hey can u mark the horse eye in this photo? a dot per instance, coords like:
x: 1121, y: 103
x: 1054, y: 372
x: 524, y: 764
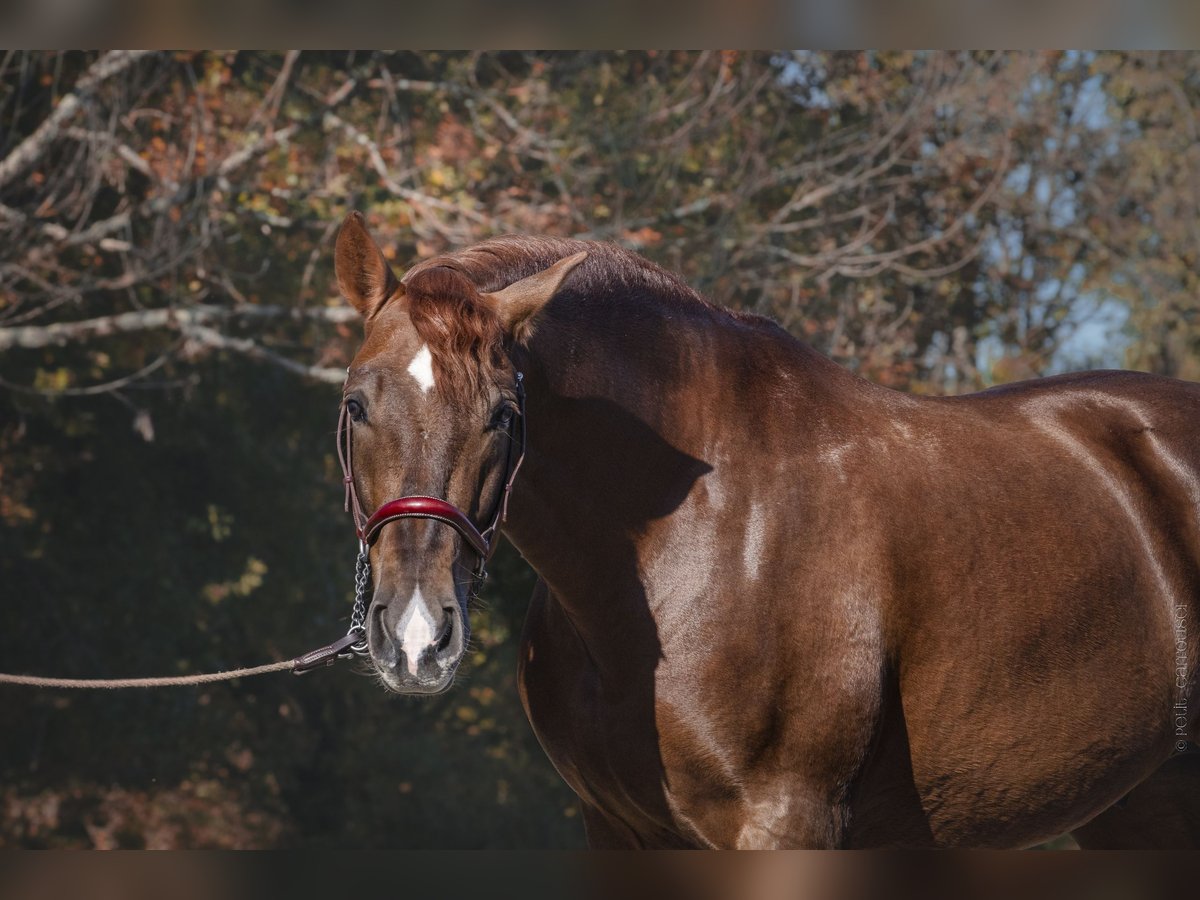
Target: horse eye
x: 355, y: 410
x: 503, y: 416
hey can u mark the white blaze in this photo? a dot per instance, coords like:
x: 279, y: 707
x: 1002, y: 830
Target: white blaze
x: 415, y: 630
x: 421, y: 368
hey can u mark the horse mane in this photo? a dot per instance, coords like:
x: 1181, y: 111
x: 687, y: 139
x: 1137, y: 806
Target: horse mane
x: 464, y: 335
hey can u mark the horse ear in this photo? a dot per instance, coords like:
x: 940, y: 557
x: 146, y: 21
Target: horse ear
x: 521, y: 301
x: 363, y: 275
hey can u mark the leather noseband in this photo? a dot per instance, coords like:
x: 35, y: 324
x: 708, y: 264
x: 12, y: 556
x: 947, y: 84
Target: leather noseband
x: 417, y: 507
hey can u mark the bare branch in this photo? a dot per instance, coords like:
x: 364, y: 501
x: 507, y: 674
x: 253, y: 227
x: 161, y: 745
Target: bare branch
x: 416, y: 198
x: 33, y: 336
x: 29, y: 149
x: 127, y: 153
x: 255, y: 148
x: 212, y: 338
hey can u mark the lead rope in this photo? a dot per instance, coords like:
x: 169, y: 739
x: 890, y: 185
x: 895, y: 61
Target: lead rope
x: 315, y: 659
x: 165, y: 681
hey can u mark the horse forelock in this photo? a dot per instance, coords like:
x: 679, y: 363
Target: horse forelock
x: 462, y: 333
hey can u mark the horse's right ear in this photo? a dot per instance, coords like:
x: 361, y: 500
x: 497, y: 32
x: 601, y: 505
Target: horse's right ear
x: 363, y: 275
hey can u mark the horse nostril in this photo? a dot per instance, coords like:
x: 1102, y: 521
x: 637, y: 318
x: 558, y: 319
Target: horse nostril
x: 447, y: 633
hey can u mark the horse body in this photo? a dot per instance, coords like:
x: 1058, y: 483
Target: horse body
x: 784, y: 607
x: 779, y: 605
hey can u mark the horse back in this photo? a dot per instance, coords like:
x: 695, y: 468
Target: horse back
x: 1043, y: 546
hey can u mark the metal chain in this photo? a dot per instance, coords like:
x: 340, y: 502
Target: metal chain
x: 358, y: 615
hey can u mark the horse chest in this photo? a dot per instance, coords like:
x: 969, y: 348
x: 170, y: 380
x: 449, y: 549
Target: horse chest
x: 605, y: 745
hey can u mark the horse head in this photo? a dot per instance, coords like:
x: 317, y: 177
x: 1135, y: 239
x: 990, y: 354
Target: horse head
x: 432, y: 409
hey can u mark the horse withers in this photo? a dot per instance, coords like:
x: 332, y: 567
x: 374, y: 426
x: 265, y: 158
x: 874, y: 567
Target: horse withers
x: 778, y: 605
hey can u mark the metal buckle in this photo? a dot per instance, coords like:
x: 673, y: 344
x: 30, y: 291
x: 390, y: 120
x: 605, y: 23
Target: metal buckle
x: 327, y: 655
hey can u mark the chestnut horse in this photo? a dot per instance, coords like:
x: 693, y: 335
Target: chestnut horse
x: 779, y: 605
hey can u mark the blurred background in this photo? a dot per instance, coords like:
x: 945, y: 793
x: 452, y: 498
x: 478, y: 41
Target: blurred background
x: 172, y: 346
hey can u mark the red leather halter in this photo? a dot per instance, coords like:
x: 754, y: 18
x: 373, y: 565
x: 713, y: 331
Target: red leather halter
x: 483, y: 543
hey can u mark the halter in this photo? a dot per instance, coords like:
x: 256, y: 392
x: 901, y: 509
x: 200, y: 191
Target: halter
x: 415, y: 506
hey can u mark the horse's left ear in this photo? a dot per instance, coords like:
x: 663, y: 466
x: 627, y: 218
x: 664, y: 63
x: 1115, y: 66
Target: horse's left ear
x: 518, y: 304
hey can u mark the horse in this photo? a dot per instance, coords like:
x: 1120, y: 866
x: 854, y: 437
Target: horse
x: 779, y: 605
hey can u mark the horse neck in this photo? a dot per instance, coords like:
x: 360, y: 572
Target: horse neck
x: 626, y: 414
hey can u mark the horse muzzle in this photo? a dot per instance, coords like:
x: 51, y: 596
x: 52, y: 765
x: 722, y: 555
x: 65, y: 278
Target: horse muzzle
x: 417, y: 645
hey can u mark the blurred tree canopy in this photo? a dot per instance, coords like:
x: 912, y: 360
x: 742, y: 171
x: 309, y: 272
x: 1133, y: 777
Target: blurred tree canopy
x: 171, y: 344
